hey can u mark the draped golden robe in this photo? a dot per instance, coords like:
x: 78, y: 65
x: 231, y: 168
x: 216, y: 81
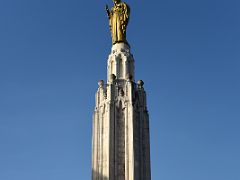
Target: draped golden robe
x: 118, y: 20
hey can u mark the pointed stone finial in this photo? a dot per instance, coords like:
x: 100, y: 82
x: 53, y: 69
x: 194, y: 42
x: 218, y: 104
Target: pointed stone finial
x: 101, y: 83
x: 140, y: 84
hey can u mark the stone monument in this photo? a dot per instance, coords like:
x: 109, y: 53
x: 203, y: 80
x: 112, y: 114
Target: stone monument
x: 120, y: 134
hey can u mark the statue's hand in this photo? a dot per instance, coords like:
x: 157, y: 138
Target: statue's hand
x: 106, y: 7
x: 108, y: 12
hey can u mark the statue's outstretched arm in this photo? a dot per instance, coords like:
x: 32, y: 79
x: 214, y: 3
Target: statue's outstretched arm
x: 107, y: 10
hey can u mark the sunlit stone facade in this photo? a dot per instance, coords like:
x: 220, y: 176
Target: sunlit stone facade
x: 120, y: 141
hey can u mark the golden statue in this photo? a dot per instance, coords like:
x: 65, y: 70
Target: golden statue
x: 118, y: 20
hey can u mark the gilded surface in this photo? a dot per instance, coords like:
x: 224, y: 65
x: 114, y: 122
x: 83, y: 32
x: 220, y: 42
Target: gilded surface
x: 118, y: 21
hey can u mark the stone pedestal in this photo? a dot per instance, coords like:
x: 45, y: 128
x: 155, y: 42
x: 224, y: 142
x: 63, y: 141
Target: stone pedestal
x: 120, y: 144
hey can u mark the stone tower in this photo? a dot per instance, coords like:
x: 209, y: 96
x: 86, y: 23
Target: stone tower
x: 120, y: 144
x: 120, y: 140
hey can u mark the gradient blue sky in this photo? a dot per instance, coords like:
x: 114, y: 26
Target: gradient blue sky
x: 53, y: 52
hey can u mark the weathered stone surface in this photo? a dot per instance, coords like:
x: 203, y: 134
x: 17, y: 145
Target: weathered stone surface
x: 120, y: 143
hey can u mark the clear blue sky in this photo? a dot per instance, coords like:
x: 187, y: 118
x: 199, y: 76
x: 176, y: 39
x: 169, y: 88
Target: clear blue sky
x: 53, y: 52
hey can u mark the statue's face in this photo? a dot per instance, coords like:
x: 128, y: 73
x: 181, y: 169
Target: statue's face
x: 116, y: 1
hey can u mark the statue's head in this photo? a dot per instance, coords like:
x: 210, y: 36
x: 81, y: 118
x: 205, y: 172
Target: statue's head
x: 116, y: 1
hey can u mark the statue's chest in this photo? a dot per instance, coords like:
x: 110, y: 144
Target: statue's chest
x: 118, y: 10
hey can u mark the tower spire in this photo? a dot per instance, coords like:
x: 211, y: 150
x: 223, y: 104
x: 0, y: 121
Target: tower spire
x: 120, y: 142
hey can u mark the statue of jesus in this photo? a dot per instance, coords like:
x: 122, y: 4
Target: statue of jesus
x: 118, y: 21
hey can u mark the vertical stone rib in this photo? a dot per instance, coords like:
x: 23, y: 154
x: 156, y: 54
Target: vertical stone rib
x: 147, y: 167
x: 126, y: 144
x: 141, y: 160
x: 130, y: 143
x: 97, y: 146
x: 101, y: 145
x: 111, y: 142
x: 93, y: 147
x: 120, y: 151
x: 105, y: 142
x: 115, y: 144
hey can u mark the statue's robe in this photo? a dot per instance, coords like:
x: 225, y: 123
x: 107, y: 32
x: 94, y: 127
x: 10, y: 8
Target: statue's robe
x: 119, y: 17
